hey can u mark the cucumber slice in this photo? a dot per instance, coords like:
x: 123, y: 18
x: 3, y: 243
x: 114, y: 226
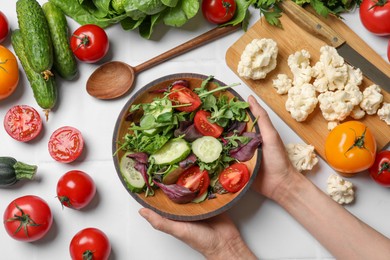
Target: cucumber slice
x: 201, y: 198
x: 207, y: 149
x: 174, y: 151
x: 172, y: 176
x: 133, y: 178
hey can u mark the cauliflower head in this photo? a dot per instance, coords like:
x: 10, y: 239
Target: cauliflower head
x: 340, y: 190
x: 301, y: 101
x: 372, y: 98
x: 299, y: 63
x: 302, y: 156
x: 384, y: 112
x: 330, y: 71
x: 258, y: 59
x: 282, y: 83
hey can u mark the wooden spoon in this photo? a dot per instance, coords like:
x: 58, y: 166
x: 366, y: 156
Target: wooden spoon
x: 113, y: 79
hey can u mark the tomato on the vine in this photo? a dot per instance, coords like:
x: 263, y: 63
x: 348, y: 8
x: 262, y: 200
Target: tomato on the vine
x: 4, y: 27
x: 9, y: 72
x: 194, y: 179
x: 234, y: 177
x: 89, y: 43
x: 75, y: 189
x: 22, y: 123
x: 375, y: 16
x: 350, y: 148
x: 66, y: 144
x: 380, y: 170
x: 204, y: 126
x: 182, y: 95
x: 90, y: 243
x: 218, y: 11
x: 27, y: 218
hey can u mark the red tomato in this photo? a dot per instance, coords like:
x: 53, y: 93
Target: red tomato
x: 90, y: 243
x: 375, y: 16
x: 89, y: 43
x: 204, y: 126
x: 27, y: 218
x: 380, y: 170
x: 388, y: 50
x: 75, y: 189
x: 234, y: 177
x: 194, y: 179
x: 181, y: 95
x: 218, y: 11
x: 4, y: 27
x: 23, y: 123
x: 66, y: 144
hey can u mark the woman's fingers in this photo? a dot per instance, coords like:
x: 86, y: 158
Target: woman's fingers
x: 158, y: 222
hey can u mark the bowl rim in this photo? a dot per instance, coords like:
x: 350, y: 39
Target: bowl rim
x: 136, y: 196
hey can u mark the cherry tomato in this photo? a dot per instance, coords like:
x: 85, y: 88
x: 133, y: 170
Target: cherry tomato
x: 194, y: 179
x: 204, y: 126
x: 27, y: 218
x: 89, y: 43
x: 218, y: 11
x: 9, y: 72
x: 90, y: 243
x: 181, y: 95
x: 75, y: 189
x: 4, y: 27
x: 66, y: 144
x: 234, y: 177
x: 380, y: 170
x: 388, y: 51
x: 350, y: 148
x: 23, y: 123
x: 375, y: 16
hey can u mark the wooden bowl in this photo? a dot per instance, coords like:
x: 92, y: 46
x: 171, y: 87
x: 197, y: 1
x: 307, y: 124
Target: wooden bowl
x: 160, y: 203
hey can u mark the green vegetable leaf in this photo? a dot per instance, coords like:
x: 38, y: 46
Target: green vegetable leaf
x: 170, y: 3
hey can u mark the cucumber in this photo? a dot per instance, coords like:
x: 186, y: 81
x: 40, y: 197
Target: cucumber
x: 207, y: 149
x: 12, y: 170
x: 133, y: 178
x: 45, y: 91
x: 172, y: 176
x: 65, y: 63
x: 174, y: 151
x: 36, y: 36
x: 201, y: 198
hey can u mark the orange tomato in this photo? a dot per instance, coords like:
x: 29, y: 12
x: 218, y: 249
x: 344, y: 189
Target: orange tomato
x: 350, y: 148
x: 9, y: 73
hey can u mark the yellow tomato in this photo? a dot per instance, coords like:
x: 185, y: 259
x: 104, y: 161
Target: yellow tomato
x: 9, y: 73
x: 350, y: 148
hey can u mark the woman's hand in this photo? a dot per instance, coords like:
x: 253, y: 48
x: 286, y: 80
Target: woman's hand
x: 215, y: 238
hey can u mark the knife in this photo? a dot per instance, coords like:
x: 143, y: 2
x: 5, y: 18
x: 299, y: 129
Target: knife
x: 314, y: 25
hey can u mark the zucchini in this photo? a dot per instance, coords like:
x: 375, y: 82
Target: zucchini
x: 64, y: 60
x: 45, y: 91
x: 36, y: 36
x: 174, y: 151
x: 12, y: 170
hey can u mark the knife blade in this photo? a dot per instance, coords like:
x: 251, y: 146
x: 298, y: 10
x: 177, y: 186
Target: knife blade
x: 314, y: 25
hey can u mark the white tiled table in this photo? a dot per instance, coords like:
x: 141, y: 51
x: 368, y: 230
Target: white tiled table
x: 270, y: 232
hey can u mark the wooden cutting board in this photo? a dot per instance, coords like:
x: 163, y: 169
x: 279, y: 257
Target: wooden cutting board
x: 291, y: 39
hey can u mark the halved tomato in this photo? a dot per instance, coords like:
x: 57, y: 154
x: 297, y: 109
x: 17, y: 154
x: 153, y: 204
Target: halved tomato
x: 234, y: 177
x: 181, y: 95
x: 204, y: 126
x: 66, y: 144
x: 194, y: 179
x: 22, y: 123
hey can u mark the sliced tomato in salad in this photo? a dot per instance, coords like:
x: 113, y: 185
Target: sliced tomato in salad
x: 66, y: 144
x: 181, y: 95
x: 204, y: 126
x: 234, y: 177
x: 195, y: 179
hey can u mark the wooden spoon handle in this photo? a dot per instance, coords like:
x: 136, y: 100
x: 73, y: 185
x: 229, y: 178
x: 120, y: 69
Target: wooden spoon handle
x: 311, y: 23
x: 204, y: 38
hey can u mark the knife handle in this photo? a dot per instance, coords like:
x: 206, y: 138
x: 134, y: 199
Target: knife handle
x: 311, y: 23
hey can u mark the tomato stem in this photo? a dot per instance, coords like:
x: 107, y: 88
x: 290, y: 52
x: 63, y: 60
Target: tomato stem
x: 378, y: 3
x: 88, y: 255
x: 359, y: 141
x: 384, y: 167
x: 24, y: 220
x: 84, y: 40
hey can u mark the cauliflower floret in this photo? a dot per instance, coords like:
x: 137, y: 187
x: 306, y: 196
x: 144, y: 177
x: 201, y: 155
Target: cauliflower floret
x: 330, y: 71
x: 302, y: 156
x: 336, y: 106
x: 340, y: 190
x: 301, y: 101
x: 332, y: 124
x: 299, y: 64
x: 355, y: 76
x: 282, y: 84
x: 357, y: 113
x: 372, y: 98
x: 384, y: 112
x: 258, y: 59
